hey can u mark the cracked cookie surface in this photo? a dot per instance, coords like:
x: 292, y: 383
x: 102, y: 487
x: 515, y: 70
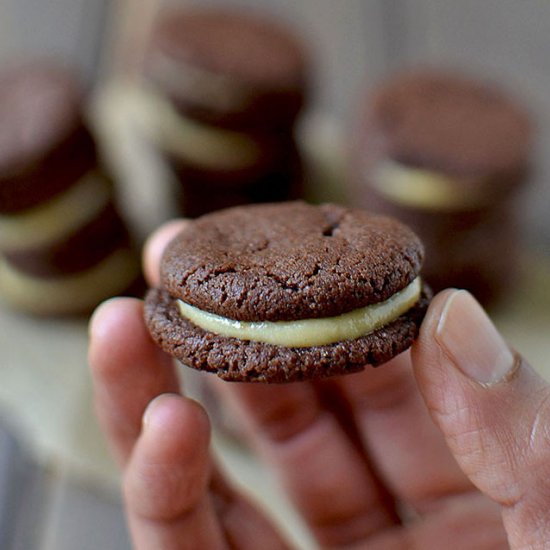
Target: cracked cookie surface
x: 290, y: 261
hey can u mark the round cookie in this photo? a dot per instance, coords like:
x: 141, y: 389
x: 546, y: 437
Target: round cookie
x: 63, y: 245
x: 450, y: 124
x: 228, y: 68
x: 289, y: 265
x: 446, y: 154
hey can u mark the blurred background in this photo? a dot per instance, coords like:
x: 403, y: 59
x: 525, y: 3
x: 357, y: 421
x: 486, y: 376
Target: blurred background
x: 58, y: 460
x: 354, y: 43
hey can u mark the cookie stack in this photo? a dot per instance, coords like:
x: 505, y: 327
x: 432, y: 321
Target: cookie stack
x: 63, y: 245
x: 448, y: 155
x: 224, y: 90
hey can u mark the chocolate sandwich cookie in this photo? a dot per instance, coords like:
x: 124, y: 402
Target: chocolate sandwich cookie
x: 289, y: 291
x: 44, y: 144
x: 228, y: 68
x: 63, y: 245
x: 447, y: 154
x: 221, y: 93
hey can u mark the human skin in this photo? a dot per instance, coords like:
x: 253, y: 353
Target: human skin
x: 454, y: 430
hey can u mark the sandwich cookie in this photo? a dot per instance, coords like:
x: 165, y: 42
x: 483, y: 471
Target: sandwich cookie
x: 228, y: 68
x: 287, y: 292
x: 447, y: 154
x: 63, y: 244
x: 220, y: 94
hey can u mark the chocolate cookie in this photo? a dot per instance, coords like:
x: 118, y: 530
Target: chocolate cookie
x: 286, y: 292
x: 451, y: 124
x: 63, y: 245
x: 446, y: 154
x: 228, y: 68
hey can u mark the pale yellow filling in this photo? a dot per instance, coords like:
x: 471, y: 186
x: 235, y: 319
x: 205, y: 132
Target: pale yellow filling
x: 197, y: 144
x: 69, y: 293
x: 424, y: 189
x: 309, y: 332
x: 56, y: 218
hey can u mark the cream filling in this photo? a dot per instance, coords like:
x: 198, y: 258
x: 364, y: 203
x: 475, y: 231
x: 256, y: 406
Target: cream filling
x: 424, y: 189
x: 309, y: 332
x: 198, y: 144
x: 203, y: 87
x: 69, y: 293
x: 56, y: 218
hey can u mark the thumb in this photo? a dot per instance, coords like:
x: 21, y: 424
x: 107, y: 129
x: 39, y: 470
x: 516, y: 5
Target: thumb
x: 493, y: 409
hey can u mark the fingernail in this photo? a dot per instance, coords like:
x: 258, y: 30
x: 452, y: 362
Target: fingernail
x: 471, y: 340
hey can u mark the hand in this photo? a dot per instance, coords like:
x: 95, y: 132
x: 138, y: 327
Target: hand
x: 454, y: 433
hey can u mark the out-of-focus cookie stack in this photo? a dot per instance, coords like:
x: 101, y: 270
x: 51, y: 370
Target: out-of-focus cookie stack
x: 448, y: 155
x: 223, y: 92
x: 63, y: 245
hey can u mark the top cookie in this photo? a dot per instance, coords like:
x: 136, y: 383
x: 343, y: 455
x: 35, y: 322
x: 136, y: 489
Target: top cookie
x: 448, y: 123
x: 290, y: 261
x: 228, y: 67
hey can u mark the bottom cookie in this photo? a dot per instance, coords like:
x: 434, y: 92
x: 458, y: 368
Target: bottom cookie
x: 248, y: 361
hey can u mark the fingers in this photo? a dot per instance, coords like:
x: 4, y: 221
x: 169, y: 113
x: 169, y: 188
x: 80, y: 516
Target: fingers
x: 405, y: 446
x: 493, y: 409
x: 322, y: 470
x: 166, y: 481
x: 154, y: 247
x: 174, y: 499
x: 166, y: 458
x: 128, y: 371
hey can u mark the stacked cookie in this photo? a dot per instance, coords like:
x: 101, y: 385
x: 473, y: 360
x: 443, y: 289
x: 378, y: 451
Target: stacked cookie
x: 448, y: 155
x: 224, y: 90
x: 63, y: 245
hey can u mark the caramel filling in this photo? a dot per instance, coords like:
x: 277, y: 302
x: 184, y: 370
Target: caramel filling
x: 422, y: 188
x: 309, y: 332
